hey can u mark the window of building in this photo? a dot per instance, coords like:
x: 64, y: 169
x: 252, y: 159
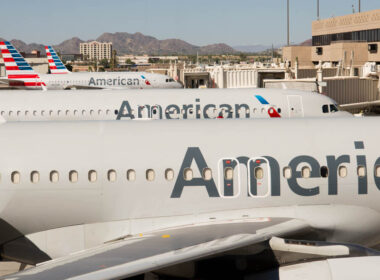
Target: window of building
x: 188, y: 174
x: 319, y: 50
x: 169, y: 174
x: 73, y: 176
x: 324, y: 171
x: 92, y: 176
x: 207, y: 174
x: 305, y: 172
x: 150, y: 175
x: 287, y: 172
x: 372, y: 48
x: 54, y: 176
x: 342, y: 171
x: 15, y: 177
x: 361, y: 171
x: 34, y: 176
x: 131, y: 175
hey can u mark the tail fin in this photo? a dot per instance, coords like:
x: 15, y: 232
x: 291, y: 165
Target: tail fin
x: 19, y: 73
x: 55, y: 64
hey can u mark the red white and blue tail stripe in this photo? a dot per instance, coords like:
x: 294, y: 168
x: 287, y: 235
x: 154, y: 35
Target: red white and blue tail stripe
x: 55, y: 64
x: 19, y: 73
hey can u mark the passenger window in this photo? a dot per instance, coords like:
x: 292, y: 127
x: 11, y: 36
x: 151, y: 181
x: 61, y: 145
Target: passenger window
x: 92, y: 176
x: 287, y: 172
x: 54, y: 176
x: 262, y: 110
x: 50, y: 113
x: 228, y: 173
x: 207, y: 174
x: 169, y: 174
x: 26, y: 113
x: 15, y: 177
x: 34, y: 113
x: 342, y: 171
x: 83, y: 112
x: 305, y: 172
x: 75, y: 112
x: 73, y: 176
x: 150, y: 175
x: 91, y: 112
x: 18, y: 113
x: 324, y: 171
x: 108, y: 112
x: 279, y: 110
x: 377, y: 171
x: 188, y: 174
x: 59, y: 112
x: 131, y: 175
x: 361, y: 171
x: 325, y: 109
x: 111, y: 175
x: 34, y: 177
x: 99, y: 112
x: 43, y: 113
x: 10, y: 113
x: 259, y: 173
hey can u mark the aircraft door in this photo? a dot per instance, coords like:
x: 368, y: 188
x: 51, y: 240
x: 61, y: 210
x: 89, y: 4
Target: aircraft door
x: 259, y: 177
x: 229, y: 177
x: 295, y: 106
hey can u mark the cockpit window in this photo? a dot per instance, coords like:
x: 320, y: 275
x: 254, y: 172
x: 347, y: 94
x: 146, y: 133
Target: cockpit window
x: 333, y: 108
x: 325, y: 108
x: 170, y: 80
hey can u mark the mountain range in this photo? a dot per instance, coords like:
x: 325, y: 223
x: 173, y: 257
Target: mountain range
x: 137, y: 43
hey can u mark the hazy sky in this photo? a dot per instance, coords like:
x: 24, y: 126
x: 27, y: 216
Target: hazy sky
x: 200, y: 22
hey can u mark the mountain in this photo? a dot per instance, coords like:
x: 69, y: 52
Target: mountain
x: 254, y: 48
x: 137, y: 43
x: 69, y: 46
x: 308, y: 42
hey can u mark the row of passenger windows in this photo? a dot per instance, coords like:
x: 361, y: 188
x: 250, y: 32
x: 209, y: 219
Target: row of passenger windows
x: 58, y: 112
x: 150, y: 175
x: 109, y: 112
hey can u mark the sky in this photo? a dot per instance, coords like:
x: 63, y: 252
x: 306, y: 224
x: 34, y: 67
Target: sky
x: 199, y: 22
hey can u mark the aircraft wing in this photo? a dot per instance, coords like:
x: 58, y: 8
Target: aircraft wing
x: 135, y: 255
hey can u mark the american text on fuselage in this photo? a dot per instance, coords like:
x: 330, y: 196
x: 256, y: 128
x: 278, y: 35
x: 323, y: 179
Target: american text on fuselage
x: 263, y: 174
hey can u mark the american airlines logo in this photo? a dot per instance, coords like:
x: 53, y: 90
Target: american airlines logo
x: 197, y: 111
x: 335, y: 167
x: 114, y: 82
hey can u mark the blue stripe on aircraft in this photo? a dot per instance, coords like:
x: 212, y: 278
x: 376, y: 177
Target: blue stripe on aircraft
x: 261, y: 99
x: 7, y: 43
x: 13, y: 51
x: 61, y: 67
x: 22, y: 64
x: 18, y: 59
x: 14, y: 55
x: 25, y: 68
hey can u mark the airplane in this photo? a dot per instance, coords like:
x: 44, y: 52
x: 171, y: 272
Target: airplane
x: 21, y: 75
x: 204, y: 199
x: 164, y: 104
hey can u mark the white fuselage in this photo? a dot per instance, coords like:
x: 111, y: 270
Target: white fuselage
x: 148, y: 175
x: 108, y: 80
x: 163, y: 104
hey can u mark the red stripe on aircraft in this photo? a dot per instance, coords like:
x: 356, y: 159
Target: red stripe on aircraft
x: 11, y: 68
x: 8, y: 59
x: 4, y: 51
x: 23, y: 76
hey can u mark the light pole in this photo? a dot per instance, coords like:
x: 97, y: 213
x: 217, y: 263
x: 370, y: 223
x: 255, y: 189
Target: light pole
x: 359, y: 7
x: 288, y: 41
x: 317, y: 9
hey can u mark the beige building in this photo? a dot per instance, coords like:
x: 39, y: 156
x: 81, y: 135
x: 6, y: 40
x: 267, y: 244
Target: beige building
x: 96, y: 50
x: 349, y: 40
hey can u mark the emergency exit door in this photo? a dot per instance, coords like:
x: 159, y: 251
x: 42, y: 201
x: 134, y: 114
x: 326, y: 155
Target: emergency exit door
x: 295, y: 106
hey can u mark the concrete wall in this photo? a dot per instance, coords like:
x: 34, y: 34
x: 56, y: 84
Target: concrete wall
x: 353, y: 22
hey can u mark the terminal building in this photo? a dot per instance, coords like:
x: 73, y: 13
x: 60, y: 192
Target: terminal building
x: 350, y: 40
x: 96, y: 50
